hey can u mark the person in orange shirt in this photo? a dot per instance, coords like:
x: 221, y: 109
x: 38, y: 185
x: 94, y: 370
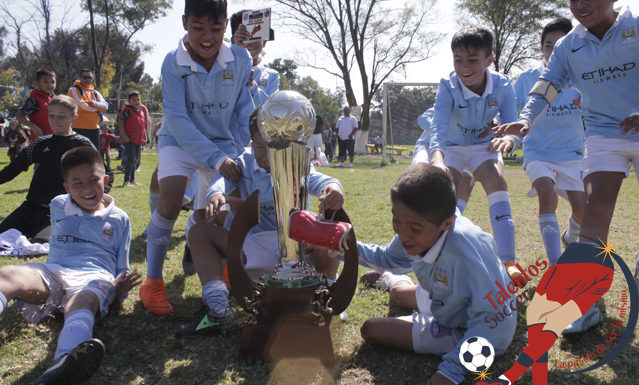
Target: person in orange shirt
x: 90, y: 105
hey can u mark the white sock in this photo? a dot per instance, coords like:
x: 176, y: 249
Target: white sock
x: 216, y: 295
x: 572, y: 236
x: 3, y: 303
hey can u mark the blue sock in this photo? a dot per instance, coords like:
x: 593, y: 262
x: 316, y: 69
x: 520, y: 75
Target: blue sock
x: 157, y: 243
x: 3, y: 303
x: 503, y: 225
x: 572, y: 236
x: 78, y: 327
x: 550, y: 234
x: 461, y: 205
x: 216, y: 296
x: 154, y: 197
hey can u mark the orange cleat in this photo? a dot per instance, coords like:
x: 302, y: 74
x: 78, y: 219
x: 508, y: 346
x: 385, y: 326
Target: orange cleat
x: 512, y: 270
x: 153, y: 296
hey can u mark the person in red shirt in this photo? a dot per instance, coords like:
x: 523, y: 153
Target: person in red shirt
x: 133, y: 123
x: 105, y: 146
x: 34, y: 111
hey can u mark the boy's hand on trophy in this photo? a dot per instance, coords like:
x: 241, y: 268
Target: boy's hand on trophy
x: 332, y: 197
x: 215, y: 203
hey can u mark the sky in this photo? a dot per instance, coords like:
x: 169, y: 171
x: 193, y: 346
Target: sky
x: 164, y: 34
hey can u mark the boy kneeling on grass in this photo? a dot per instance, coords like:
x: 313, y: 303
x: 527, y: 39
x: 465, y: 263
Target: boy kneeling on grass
x: 456, y: 264
x: 87, y: 266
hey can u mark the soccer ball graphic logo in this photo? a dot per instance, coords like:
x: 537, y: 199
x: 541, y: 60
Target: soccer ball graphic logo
x: 476, y: 354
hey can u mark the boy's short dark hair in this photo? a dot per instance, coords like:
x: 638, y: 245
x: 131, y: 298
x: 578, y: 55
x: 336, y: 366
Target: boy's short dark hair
x: 83, y: 70
x: 427, y: 190
x: 79, y: 156
x: 212, y: 8
x: 44, y: 72
x: 475, y: 36
x: 560, y: 24
x: 254, y: 128
x: 65, y: 101
x: 236, y: 20
x: 133, y: 93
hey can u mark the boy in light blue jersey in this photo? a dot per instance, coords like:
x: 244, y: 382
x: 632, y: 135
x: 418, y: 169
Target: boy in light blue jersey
x: 466, y: 104
x: 453, y: 260
x: 554, y: 151
x: 208, y: 241
x: 600, y: 57
x: 87, y: 266
x: 205, y: 125
x: 266, y: 80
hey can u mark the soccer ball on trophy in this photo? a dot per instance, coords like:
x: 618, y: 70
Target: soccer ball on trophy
x: 476, y: 354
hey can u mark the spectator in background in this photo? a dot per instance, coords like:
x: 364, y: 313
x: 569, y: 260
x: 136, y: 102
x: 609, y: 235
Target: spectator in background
x: 379, y: 141
x: 16, y: 139
x: 90, y: 106
x: 346, y: 128
x: 34, y: 112
x: 315, y: 141
x: 133, y: 123
x: 327, y: 137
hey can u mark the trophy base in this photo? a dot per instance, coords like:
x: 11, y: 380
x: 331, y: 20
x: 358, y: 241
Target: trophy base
x: 292, y: 275
x: 292, y: 337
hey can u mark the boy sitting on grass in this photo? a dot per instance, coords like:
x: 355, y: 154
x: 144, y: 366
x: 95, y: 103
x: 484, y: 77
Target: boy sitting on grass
x: 208, y: 241
x: 88, y: 264
x: 454, y: 261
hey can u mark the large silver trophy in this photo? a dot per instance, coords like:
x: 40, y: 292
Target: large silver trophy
x: 286, y: 121
x: 290, y: 310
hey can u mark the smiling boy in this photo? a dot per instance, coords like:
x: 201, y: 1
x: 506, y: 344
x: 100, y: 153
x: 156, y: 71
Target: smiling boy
x: 466, y: 104
x: 205, y: 126
x: 86, y: 268
x: 33, y: 112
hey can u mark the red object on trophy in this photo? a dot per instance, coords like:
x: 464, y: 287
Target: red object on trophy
x: 306, y: 228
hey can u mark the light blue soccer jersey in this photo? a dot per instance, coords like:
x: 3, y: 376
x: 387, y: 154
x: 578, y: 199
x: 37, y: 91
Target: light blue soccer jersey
x: 421, y: 146
x: 606, y: 72
x: 559, y: 135
x: 256, y: 178
x: 206, y: 113
x: 459, y: 278
x: 267, y: 79
x: 97, y: 241
x: 461, y: 115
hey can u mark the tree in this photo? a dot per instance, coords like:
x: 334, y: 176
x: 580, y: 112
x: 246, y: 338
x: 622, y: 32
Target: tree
x: 286, y: 68
x: 376, y: 37
x: 323, y: 103
x: 516, y: 27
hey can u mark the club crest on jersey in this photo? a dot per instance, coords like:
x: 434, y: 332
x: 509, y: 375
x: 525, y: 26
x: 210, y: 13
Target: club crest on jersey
x: 262, y: 83
x: 107, y: 232
x: 227, y: 77
x: 492, y: 102
x: 440, y: 278
x: 629, y: 35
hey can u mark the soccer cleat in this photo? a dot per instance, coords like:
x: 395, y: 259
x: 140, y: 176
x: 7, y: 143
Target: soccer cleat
x: 153, y: 296
x: 208, y: 323
x: 512, y: 270
x: 564, y: 240
x: 585, y: 322
x: 384, y: 281
x: 305, y: 227
x: 75, y: 367
x: 350, y: 165
x: 340, y: 164
x: 187, y: 261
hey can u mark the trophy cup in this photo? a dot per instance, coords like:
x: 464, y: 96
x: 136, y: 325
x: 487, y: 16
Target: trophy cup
x: 290, y: 311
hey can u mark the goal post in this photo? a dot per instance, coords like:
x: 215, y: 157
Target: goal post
x: 402, y: 104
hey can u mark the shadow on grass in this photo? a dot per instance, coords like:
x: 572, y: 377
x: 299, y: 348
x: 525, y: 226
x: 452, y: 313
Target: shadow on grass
x: 137, y: 252
x: 20, y: 191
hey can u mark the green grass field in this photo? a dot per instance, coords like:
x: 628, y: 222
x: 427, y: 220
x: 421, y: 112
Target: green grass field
x: 141, y: 348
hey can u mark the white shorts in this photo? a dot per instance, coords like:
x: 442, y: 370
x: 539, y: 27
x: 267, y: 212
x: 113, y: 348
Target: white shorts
x: 471, y: 157
x: 566, y: 175
x: 315, y: 141
x: 174, y: 161
x: 423, y: 300
x: 429, y: 337
x: 262, y: 252
x: 64, y: 283
x: 610, y: 154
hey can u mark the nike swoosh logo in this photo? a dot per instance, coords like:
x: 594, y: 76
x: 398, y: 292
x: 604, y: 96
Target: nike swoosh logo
x: 577, y: 49
x: 501, y: 216
x: 460, y: 106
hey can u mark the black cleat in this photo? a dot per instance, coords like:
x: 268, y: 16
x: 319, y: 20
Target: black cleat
x: 75, y: 367
x: 187, y: 261
x: 208, y: 323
